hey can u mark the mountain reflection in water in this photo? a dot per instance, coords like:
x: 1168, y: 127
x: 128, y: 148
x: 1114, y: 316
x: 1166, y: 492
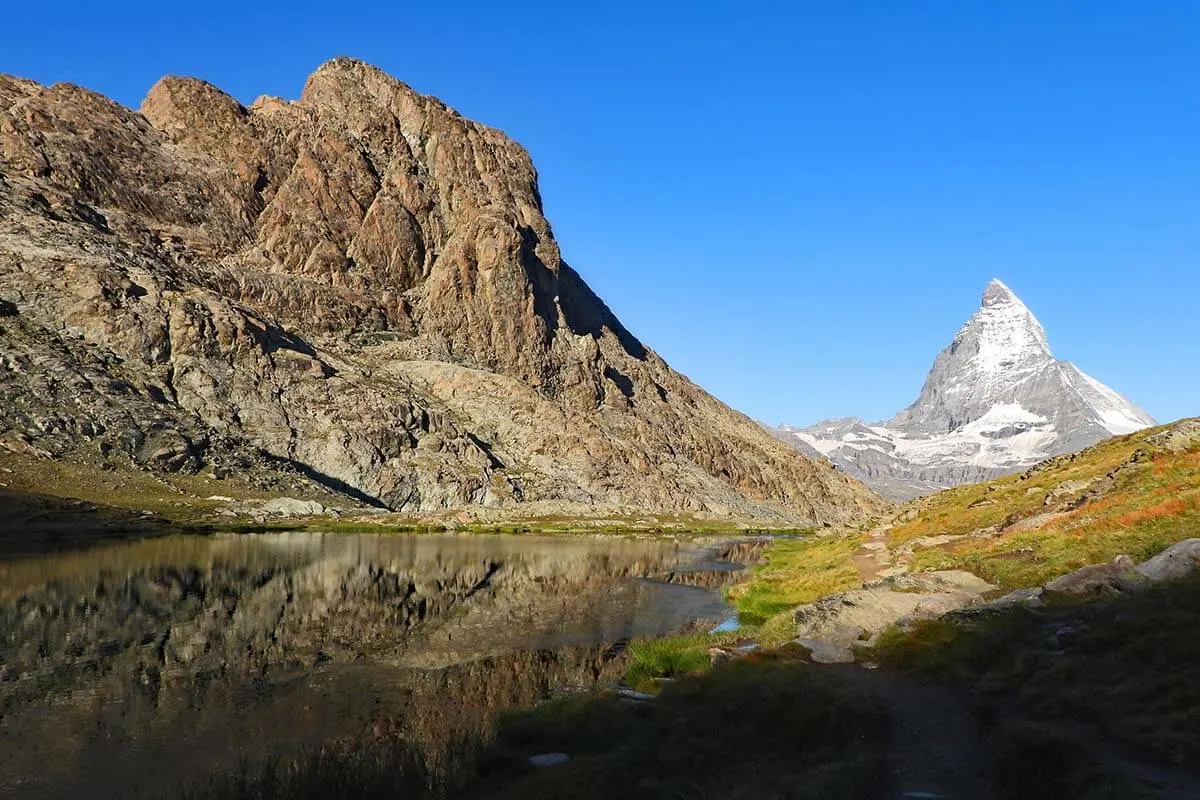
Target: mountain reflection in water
x: 141, y: 666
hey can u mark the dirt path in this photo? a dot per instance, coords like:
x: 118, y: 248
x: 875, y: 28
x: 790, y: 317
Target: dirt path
x: 874, y: 560
x: 935, y: 750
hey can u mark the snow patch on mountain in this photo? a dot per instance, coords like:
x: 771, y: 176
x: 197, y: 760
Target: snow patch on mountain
x: 1118, y: 414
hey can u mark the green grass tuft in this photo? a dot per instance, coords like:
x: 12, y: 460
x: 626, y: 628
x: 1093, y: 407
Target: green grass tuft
x: 796, y: 571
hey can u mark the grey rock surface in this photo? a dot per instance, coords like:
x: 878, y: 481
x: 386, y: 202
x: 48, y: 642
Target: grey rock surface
x: 291, y: 507
x: 858, y: 615
x: 1179, y: 438
x: 822, y: 652
x: 1175, y: 563
x: 1099, y: 580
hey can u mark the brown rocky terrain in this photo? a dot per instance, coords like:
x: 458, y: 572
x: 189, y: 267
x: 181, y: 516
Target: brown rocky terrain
x: 359, y: 287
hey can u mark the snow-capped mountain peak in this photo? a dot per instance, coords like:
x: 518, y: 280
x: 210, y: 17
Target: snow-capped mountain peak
x: 995, y: 401
x: 1000, y: 347
x: 1005, y: 330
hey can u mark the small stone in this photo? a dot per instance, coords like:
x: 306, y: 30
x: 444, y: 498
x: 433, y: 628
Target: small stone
x: 718, y: 656
x: 826, y: 652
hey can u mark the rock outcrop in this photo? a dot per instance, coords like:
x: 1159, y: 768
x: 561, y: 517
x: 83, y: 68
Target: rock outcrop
x: 832, y: 626
x: 360, y: 285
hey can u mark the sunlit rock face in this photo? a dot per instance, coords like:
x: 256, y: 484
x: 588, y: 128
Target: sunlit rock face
x: 995, y: 402
x: 151, y: 663
x: 359, y: 284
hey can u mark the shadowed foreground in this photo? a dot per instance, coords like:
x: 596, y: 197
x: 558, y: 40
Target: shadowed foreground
x: 1093, y: 700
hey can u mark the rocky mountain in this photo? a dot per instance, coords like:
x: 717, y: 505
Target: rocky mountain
x: 359, y: 287
x: 995, y: 402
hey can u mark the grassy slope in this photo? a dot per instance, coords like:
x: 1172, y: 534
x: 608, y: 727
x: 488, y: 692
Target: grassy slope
x: 793, y: 572
x: 178, y: 497
x: 1125, y: 668
x: 1151, y: 500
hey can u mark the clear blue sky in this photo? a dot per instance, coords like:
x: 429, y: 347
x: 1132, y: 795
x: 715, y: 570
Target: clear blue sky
x: 796, y: 204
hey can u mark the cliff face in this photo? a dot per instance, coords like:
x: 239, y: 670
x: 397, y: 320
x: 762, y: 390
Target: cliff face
x: 361, y: 283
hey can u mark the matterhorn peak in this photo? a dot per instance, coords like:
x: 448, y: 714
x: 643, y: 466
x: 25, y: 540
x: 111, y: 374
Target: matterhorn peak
x: 997, y: 293
x: 995, y: 401
x: 1003, y: 335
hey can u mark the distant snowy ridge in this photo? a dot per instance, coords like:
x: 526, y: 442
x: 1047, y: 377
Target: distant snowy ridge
x: 996, y: 401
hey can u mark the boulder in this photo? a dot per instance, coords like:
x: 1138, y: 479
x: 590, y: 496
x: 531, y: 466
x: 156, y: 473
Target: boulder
x: 1176, y: 562
x: 291, y: 507
x: 820, y: 652
x: 1179, y: 438
x: 1098, y: 580
x: 718, y: 656
x: 1029, y: 598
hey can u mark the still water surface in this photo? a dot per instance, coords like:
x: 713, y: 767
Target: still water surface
x: 139, y: 667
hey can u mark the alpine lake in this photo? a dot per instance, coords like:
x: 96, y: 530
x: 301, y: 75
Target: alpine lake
x: 138, y: 667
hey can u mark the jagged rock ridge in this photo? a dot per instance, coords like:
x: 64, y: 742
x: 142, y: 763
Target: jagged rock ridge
x: 995, y: 402
x: 360, y: 286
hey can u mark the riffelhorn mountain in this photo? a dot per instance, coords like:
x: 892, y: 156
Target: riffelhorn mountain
x: 359, y: 286
x: 995, y: 402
